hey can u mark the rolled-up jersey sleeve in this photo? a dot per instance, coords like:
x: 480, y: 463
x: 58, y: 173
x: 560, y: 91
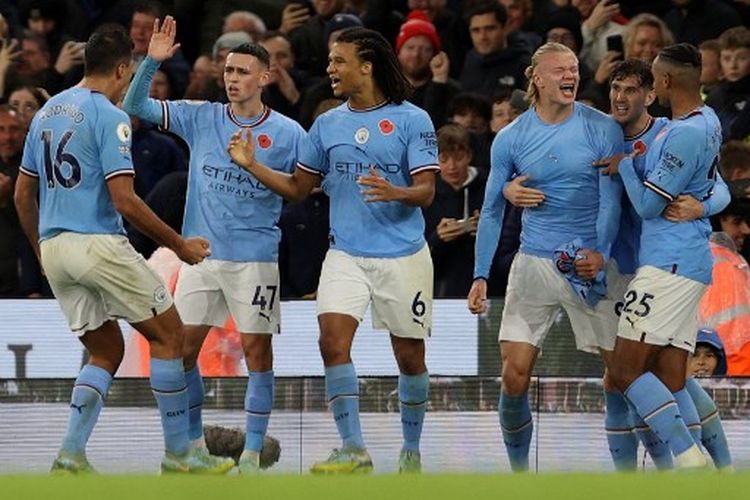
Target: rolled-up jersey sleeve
x: 312, y: 154
x: 115, y: 140
x: 421, y: 144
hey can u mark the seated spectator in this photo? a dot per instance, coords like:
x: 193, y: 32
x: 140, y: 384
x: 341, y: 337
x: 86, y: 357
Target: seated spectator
x: 283, y: 90
x: 730, y: 98
x: 243, y: 20
x: 724, y: 307
x: 709, y: 358
x: 491, y: 62
x: 711, y: 74
x: 425, y: 66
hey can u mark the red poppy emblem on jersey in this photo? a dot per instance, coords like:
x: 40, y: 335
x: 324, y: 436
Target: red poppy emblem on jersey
x: 640, y: 148
x: 264, y: 141
x: 386, y: 126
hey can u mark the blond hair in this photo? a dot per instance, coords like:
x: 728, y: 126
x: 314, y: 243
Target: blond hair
x: 532, y: 93
x: 645, y: 20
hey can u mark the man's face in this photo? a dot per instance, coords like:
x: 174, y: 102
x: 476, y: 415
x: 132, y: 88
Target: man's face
x: 629, y: 100
x: 415, y: 55
x: 710, y: 68
x: 646, y: 43
x: 515, y: 15
x: 10, y: 133
x: 281, y: 57
x: 735, y: 64
x: 557, y: 77
x: 345, y: 69
x: 34, y: 59
x: 327, y: 8
x: 502, y: 114
x: 487, y: 34
x: 244, y: 77
x: 454, y: 166
x: 159, y: 86
x: 141, y: 28
x: 736, y: 227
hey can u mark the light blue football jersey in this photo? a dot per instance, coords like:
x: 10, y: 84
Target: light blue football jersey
x: 225, y: 203
x: 398, y: 141
x: 579, y: 202
x: 76, y: 142
x: 683, y: 158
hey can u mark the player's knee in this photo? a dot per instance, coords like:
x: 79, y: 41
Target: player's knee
x: 515, y: 379
x: 258, y: 353
x: 333, y: 349
x: 621, y: 375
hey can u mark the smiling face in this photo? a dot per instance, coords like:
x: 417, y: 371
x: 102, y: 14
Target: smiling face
x: 556, y: 77
x: 646, y: 43
x: 629, y: 100
x: 244, y: 77
x: 703, y: 362
x: 415, y: 55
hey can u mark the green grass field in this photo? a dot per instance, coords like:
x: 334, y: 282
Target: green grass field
x: 664, y: 486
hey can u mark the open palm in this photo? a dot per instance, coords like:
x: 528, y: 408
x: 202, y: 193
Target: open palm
x: 242, y: 149
x: 162, y: 46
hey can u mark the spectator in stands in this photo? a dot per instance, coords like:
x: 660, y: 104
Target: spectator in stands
x: 730, y: 99
x: 201, y: 78
x: 734, y: 162
x: 283, y: 92
x: 711, y: 74
x: 694, y: 21
x: 492, y: 62
x: 474, y: 112
x: 451, y: 27
x: 244, y: 20
x: 26, y: 101
x: 519, y: 15
x: 602, y: 19
x: 35, y: 66
x: 145, y: 13
x: 451, y: 220
x: 709, y: 358
x: 644, y: 36
x: 425, y: 66
x: 10, y: 230
x: 45, y: 18
x: 308, y: 41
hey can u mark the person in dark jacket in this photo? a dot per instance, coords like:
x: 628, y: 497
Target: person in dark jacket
x: 730, y: 98
x: 694, y: 21
x: 492, y: 62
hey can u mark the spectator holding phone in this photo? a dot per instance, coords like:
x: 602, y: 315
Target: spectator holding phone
x: 601, y: 20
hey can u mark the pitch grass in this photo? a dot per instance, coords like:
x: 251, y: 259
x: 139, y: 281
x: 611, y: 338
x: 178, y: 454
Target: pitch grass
x: 664, y: 486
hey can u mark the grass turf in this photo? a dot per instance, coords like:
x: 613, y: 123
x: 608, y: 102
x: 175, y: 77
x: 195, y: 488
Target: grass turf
x: 664, y: 486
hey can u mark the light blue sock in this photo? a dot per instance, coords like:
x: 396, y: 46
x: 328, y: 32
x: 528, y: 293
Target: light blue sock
x: 689, y: 414
x: 659, y: 452
x: 412, y: 395
x: 657, y: 407
x: 258, y: 404
x: 342, y: 390
x: 196, y: 394
x: 712, y: 435
x: 170, y: 391
x: 623, y: 443
x: 86, y: 402
x: 517, y: 427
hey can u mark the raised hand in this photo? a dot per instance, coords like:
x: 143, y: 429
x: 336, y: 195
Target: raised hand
x: 293, y: 16
x: 242, y: 149
x: 162, y: 46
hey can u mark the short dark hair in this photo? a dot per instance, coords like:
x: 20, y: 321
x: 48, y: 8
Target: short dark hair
x: 109, y: 46
x: 149, y: 7
x: 638, y: 68
x: 467, y: 102
x: 487, y: 7
x: 682, y: 54
x: 374, y: 48
x: 452, y: 138
x: 734, y: 158
x: 253, y: 49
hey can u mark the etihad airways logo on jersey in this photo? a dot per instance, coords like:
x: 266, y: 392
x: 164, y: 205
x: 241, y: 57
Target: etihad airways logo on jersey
x: 232, y: 181
x: 360, y: 168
